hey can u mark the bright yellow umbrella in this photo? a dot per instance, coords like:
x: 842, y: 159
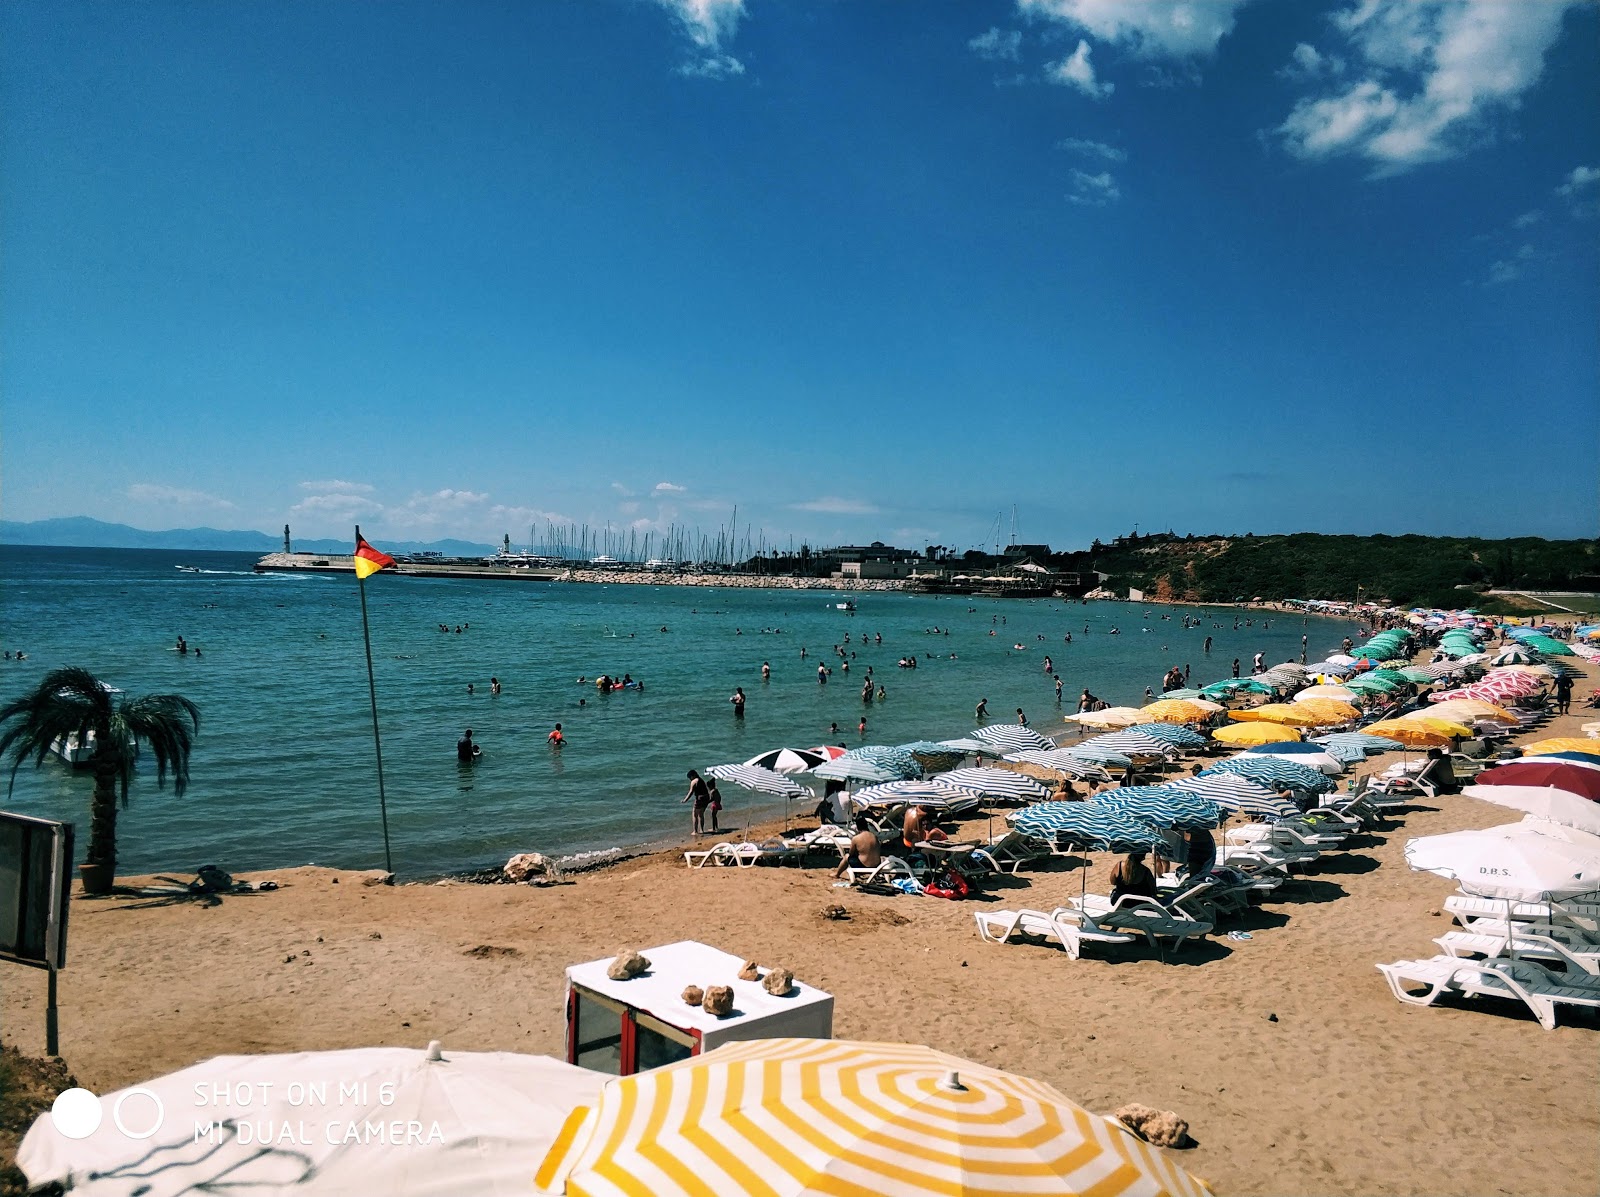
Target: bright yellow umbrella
x: 1563, y: 744
x: 1334, y: 710
x: 1175, y: 710
x: 1326, y: 690
x: 1276, y: 712
x: 1445, y: 727
x: 1255, y: 733
x: 820, y: 1116
x: 1461, y: 710
x: 1412, y: 735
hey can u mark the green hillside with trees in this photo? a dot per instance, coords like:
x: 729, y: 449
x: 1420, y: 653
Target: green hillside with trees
x: 1442, y: 571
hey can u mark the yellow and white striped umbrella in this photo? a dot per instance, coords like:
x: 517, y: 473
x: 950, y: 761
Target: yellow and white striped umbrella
x: 780, y: 1117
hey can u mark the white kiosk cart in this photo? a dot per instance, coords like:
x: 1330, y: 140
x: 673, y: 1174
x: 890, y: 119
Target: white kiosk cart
x: 623, y: 1027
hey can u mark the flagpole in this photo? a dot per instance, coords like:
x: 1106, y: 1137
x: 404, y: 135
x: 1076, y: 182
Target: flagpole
x: 372, y: 692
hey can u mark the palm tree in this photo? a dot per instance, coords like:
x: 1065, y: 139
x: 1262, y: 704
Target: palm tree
x: 73, y: 701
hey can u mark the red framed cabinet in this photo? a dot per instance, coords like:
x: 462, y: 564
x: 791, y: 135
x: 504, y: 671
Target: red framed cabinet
x: 623, y: 1027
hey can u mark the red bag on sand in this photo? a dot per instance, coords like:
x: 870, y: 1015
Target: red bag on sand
x: 947, y: 884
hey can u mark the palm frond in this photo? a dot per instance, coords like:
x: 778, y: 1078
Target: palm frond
x: 167, y: 723
x: 66, y: 702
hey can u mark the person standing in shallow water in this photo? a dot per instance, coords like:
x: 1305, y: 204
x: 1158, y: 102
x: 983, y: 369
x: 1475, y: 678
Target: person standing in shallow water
x: 982, y: 711
x: 737, y: 699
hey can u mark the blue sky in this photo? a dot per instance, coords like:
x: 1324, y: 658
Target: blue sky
x: 868, y: 270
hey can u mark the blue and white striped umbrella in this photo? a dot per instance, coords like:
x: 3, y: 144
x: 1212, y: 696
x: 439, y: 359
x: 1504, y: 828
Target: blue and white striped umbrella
x: 902, y: 762
x: 1162, y: 806
x: 763, y: 781
x: 1130, y: 743
x: 1275, y: 770
x: 997, y: 783
x: 1088, y: 750
x: 856, y: 768
x: 1233, y: 792
x: 1062, y: 761
x: 932, y: 792
x: 1172, y: 733
x: 973, y: 747
x: 1013, y: 737
x: 1087, y: 825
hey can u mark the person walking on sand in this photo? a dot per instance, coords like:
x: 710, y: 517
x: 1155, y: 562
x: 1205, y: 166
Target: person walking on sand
x: 1564, y: 694
x: 701, y: 797
x: 555, y: 739
x: 982, y: 711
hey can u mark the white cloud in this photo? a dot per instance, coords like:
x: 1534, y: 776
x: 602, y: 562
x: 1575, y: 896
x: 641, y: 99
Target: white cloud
x: 1095, y: 191
x: 668, y: 488
x: 832, y: 505
x: 1528, y: 219
x: 1077, y: 71
x: 998, y: 45
x: 710, y: 24
x: 1509, y: 268
x: 1306, y: 63
x: 1092, y: 149
x: 339, y: 505
x: 1581, y: 178
x: 336, y: 486
x: 1433, y: 74
x: 1147, y: 28
x: 174, y: 496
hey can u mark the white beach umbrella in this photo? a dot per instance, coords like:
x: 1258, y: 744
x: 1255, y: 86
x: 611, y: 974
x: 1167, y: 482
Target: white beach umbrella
x: 390, y: 1120
x: 1543, y: 802
x: 1532, y: 861
x: 1327, y: 762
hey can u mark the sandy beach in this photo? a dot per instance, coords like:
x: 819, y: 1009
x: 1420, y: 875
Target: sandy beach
x: 1347, y: 1091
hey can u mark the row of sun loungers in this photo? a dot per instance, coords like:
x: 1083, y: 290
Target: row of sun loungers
x: 1422, y: 982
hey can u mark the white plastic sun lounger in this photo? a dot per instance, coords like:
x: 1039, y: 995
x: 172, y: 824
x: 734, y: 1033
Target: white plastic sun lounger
x: 1010, y: 852
x: 1525, y: 942
x: 1062, y: 925
x: 890, y: 869
x: 1535, y: 986
x: 744, y: 855
x: 1585, y: 916
x: 1142, y: 916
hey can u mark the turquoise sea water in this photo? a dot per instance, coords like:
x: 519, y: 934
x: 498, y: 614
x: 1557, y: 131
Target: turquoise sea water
x: 283, y: 769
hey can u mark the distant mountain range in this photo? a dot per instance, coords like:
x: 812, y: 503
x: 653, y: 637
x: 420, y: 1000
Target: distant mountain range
x: 82, y: 532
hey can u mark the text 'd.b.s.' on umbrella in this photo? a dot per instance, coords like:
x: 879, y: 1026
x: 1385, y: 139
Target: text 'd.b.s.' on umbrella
x: 786, y: 1117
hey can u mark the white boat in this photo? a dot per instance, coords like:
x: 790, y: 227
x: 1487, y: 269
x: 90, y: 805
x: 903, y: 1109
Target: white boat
x: 73, y: 751
x: 603, y: 559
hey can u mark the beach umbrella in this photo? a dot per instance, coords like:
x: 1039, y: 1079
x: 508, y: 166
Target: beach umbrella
x: 1002, y: 784
x: 1110, y: 717
x: 971, y: 747
x: 1562, y: 775
x: 1130, y: 744
x: 1254, y: 733
x: 786, y: 1117
x: 1086, y: 825
x: 1582, y: 759
x: 1172, y: 733
x: 1465, y: 710
x: 1563, y: 744
x: 1274, y: 771
x: 1013, y: 737
x: 1340, y: 693
x: 1330, y: 669
x: 787, y: 760
x: 924, y: 792
x: 1162, y: 806
x: 1341, y: 659
x: 1329, y: 710
x: 1277, y: 712
x: 1060, y: 760
x: 931, y: 754
x: 829, y: 752
x: 1322, y: 760
x: 1100, y: 755
x: 1365, y: 683
x: 1532, y: 861
x: 1412, y: 735
x: 498, y: 1115
x: 1542, y: 802
x: 1184, y: 693
x: 762, y: 781
x: 1234, y: 792
x: 856, y: 768
x: 1445, y: 727
x: 1174, y: 710
x: 1515, y: 655
x: 901, y: 761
